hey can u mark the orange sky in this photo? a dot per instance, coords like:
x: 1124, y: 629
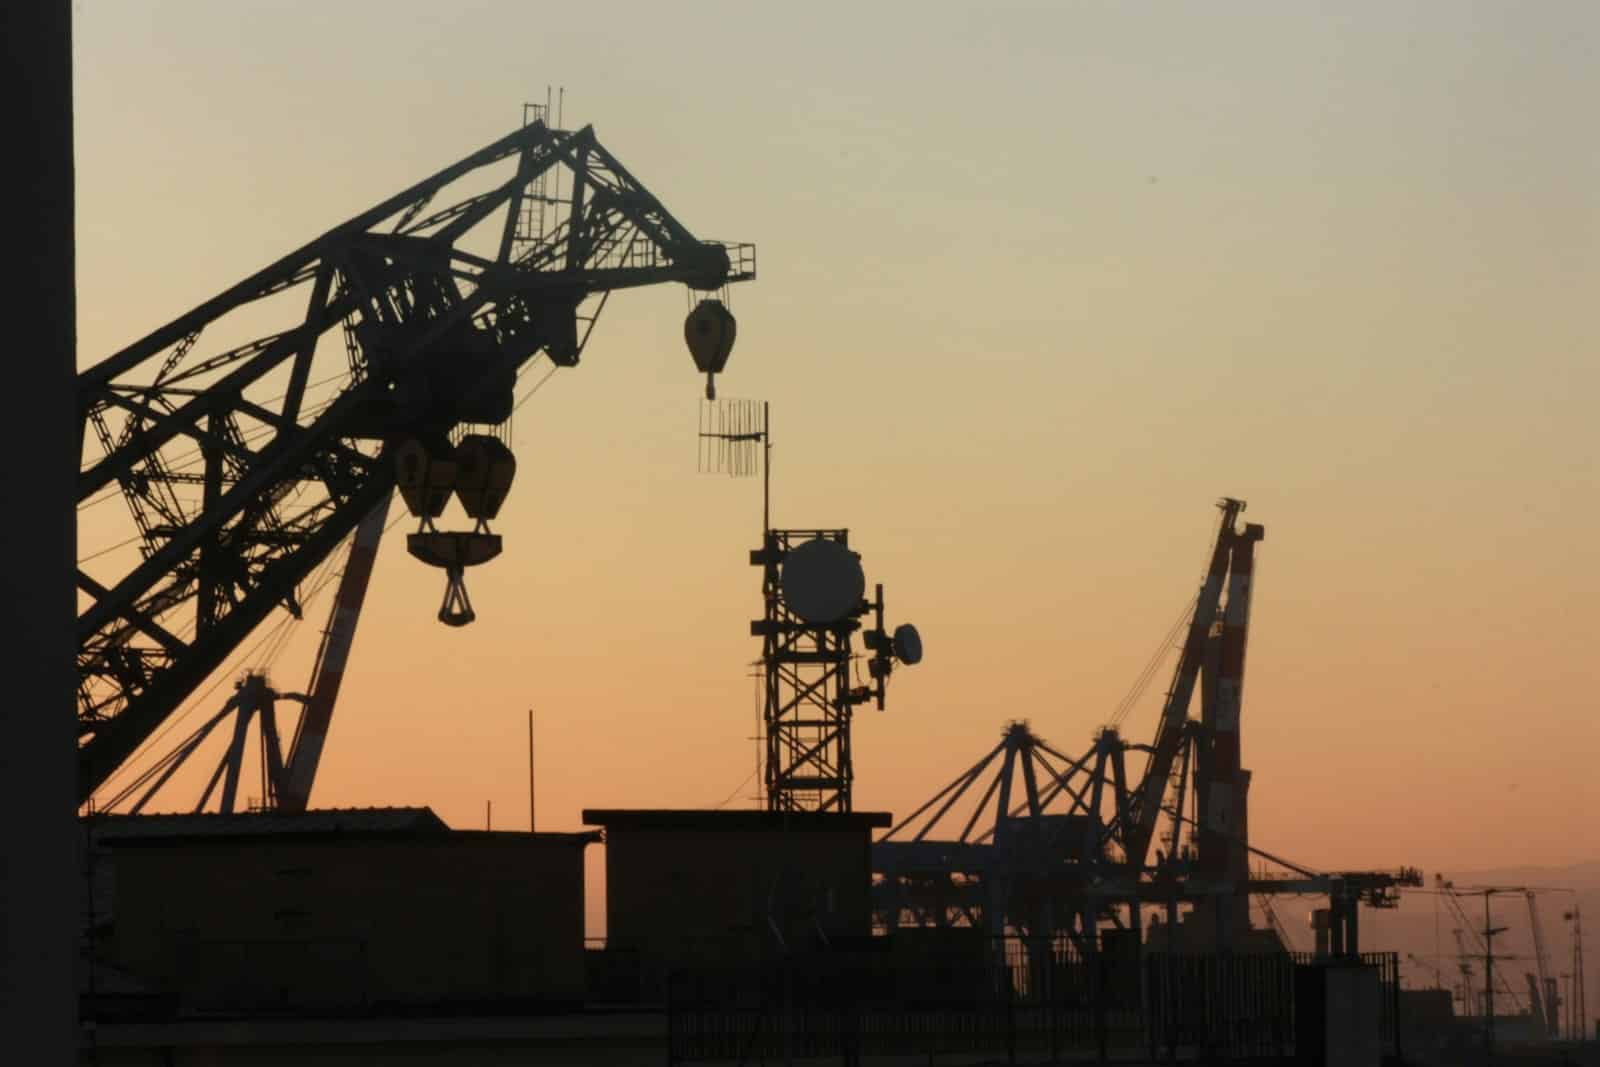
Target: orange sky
x: 1037, y: 285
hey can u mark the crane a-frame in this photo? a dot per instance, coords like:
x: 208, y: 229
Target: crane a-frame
x: 249, y: 436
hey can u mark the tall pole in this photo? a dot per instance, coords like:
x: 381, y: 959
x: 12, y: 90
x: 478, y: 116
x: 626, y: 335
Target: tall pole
x: 1488, y: 975
x: 766, y: 469
x: 1489, y: 930
x: 763, y: 794
x: 1580, y: 1020
x: 41, y: 875
x: 533, y: 823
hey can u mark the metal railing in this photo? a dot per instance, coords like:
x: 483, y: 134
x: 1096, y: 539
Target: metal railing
x: 1017, y: 1001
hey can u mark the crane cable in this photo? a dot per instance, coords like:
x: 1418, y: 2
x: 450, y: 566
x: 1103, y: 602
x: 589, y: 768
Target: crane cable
x: 1167, y: 645
x: 179, y: 464
x: 221, y: 675
x: 536, y: 387
x: 188, y: 459
x: 279, y: 633
x: 1142, y: 681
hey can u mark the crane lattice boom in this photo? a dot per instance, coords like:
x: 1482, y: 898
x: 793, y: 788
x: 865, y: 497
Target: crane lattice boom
x: 248, y: 437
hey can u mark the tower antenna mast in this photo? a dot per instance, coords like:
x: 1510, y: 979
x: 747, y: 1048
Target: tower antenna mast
x: 735, y: 438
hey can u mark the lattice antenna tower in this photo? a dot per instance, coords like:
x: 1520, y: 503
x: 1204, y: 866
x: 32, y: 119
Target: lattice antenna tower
x: 813, y: 592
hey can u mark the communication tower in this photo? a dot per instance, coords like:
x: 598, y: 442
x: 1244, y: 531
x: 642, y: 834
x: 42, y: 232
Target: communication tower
x: 813, y: 591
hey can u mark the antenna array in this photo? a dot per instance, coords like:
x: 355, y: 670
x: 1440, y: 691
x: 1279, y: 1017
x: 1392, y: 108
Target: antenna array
x: 732, y: 433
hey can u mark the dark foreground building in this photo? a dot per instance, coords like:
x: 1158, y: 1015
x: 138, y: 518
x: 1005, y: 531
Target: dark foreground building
x: 709, y: 888
x: 381, y: 936
x: 370, y: 910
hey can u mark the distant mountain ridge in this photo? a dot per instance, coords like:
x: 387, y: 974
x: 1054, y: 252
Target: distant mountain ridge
x: 1584, y: 875
x: 1421, y: 929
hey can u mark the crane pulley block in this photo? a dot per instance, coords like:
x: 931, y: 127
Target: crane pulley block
x: 426, y: 477
x: 485, y: 467
x: 709, y: 331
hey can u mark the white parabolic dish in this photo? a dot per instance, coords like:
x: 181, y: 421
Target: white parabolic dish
x: 822, y: 581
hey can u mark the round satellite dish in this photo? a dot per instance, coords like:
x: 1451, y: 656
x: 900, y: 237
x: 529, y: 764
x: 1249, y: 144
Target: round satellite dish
x: 907, y: 644
x: 822, y: 581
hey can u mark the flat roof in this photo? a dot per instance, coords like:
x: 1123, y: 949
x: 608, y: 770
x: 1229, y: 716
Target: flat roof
x: 107, y: 828
x: 340, y: 824
x: 714, y: 821
x: 447, y: 839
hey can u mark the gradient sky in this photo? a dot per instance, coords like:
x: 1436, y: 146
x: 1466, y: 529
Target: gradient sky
x: 1038, y: 284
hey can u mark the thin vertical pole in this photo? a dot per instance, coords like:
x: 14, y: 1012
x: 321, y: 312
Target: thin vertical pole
x: 533, y: 823
x: 760, y: 794
x: 766, y: 545
x: 488, y: 815
x: 1488, y: 978
x: 1439, y: 957
x: 766, y: 469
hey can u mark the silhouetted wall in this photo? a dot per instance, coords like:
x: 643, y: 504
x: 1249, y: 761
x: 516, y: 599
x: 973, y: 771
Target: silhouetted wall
x: 722, y: 887
x: 342, y: 921
x: 37, y: 748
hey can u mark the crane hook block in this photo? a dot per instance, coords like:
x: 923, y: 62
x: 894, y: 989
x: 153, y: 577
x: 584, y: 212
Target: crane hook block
x: 484, y: 469
x: 425, y: 478
x: 453, y: 553
x: 709, y: 332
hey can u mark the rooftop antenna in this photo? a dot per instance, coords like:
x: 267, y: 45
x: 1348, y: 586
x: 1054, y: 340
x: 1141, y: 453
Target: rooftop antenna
x: 736, y: 439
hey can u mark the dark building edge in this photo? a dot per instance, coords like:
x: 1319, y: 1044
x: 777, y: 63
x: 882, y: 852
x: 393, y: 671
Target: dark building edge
x: 39, y: 884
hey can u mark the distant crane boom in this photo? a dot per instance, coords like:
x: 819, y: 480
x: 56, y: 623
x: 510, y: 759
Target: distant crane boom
x: 1469, y: 1001
x: 1546, y: 997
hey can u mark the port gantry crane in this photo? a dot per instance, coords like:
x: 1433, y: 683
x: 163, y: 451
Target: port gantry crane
x: 248, y: 438
x: 1078, y: 845
x: 1475, y: 942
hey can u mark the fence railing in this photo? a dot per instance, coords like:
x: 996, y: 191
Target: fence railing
x: 1025, y: 1003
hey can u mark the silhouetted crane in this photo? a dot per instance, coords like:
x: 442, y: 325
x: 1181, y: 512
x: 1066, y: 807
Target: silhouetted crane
x: 247, y: 449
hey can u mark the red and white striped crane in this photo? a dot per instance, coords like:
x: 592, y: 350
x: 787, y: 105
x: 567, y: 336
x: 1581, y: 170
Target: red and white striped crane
x: 310, y: 735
